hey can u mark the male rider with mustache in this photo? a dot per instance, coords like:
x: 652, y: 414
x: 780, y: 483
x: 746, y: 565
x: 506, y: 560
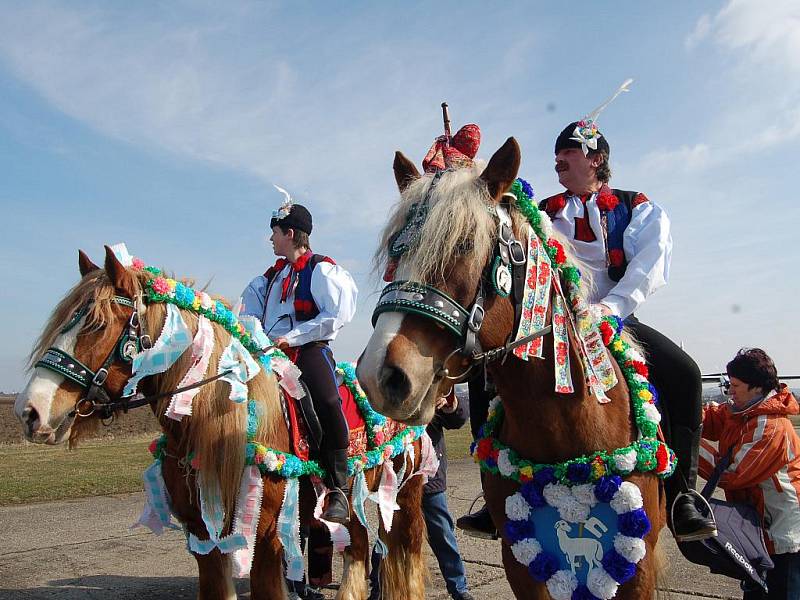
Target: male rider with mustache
x: 624, y: 240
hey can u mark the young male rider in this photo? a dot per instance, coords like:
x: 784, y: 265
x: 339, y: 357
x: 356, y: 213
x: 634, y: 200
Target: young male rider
x: 303, y: 301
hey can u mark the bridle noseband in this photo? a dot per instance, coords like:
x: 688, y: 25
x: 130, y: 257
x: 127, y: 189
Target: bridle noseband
x: 427, y: 301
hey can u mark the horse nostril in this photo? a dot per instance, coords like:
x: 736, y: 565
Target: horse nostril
x: 30, y: 417
x: 396, y: 384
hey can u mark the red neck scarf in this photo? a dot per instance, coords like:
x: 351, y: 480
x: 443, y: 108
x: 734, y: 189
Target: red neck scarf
x: 297, y: 266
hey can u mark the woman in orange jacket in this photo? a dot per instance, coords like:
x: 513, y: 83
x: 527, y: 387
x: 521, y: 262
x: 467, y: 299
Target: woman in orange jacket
x: 765, y: 464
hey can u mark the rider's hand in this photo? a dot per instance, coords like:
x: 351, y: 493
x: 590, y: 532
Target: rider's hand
x: 447, y: 403
x: 607, y: 312
x: 282, y: 344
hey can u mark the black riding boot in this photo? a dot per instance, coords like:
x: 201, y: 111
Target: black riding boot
x: 478, y: 524
x: 338, y: 508
x: 688, y: 524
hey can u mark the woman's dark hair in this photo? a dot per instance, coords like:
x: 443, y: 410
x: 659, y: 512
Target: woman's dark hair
x: 755, y: 368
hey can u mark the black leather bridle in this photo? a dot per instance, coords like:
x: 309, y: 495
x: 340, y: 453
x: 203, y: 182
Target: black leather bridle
x: 97, y: 398
x: 429, y: 302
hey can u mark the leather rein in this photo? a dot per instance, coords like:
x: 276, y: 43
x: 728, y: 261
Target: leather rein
x: 429, y: 302
x: 97, y: 398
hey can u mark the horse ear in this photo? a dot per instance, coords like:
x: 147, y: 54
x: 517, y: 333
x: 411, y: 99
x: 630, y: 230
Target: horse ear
x: 502, y: 169
x: 404, y: 171
x: 85, y: 264
x: 120, y: 277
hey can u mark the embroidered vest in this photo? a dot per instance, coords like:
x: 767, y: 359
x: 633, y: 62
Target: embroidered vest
x: 614, y: 222
x: 305, y: 308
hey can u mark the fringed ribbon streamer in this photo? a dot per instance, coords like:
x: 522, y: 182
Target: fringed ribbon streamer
x: 173, y: 341
x: 288, y: 376
x: 202, y: 348
x: 561, y: 366
x: 340, y: 536
x: 535, y: 299
x: 248, y: 512
x: 214, y: 520
x: 243, y: 367
x: 387, y: 494
x: 289, y: 530
x: 156, y: 515
x: 359, y: 499
x: 253, y: 326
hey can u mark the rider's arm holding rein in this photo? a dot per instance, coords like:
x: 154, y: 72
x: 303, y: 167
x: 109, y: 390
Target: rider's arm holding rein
x: 335, y: 294
x: 253, y: 297
x: 648, y: 248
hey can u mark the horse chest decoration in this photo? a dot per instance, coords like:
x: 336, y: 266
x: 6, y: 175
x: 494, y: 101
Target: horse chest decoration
x: 225, y: 466
x: 569, y: 453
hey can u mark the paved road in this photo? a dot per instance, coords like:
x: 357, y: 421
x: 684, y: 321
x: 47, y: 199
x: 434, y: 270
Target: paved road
x: 83, y: 549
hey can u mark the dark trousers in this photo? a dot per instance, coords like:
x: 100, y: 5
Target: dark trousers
x: 316, y: 362
x: 442, y: 540
x: 783, y: 581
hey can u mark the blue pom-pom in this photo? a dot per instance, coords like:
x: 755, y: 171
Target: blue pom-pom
x: 619, y: 567
x: 634, y: 523
x: 578, y: 472
x: 653, y: 391
x: 582, y: 593
x: 545, y: 476
x: 543, y: 566
x: 526, y: 187
x: 519, y: 530
x: 606, y: 487
x: 490, y: 462
x: 532, y: 492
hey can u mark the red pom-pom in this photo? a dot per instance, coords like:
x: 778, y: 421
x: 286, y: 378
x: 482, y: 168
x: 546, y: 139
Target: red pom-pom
x: 662, y: 459
x: 484, y: 448
x: 616, y: 257
x: 607, y: 332
x: 560, y: 256
x: 640, y: 368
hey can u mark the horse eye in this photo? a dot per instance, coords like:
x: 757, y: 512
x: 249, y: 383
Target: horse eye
x: 464, y: 247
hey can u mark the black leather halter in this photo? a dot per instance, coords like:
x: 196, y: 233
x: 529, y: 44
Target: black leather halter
x: 421, y: 299
x: 97, y: 399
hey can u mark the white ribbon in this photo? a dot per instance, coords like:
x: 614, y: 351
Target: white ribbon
x: 243, y: 367
x: 214, y: 520
x: 202, y: 348
x: 156, y: 515
x: 248, y: 512
x: 173, y: 341
x: 289, y: 530
x: 340, y: 536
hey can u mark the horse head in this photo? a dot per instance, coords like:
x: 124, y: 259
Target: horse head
x: 439, y: 242
x: 82, y: 348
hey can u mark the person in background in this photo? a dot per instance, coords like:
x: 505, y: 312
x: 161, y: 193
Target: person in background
x: 765, y: 461
x: 450, y: 414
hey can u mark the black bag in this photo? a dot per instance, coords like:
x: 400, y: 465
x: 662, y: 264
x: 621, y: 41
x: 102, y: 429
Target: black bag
x: 738, y: 551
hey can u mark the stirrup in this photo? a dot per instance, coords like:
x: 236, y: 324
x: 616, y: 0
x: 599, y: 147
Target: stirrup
x: 347, y: 501
x: 697, y: 536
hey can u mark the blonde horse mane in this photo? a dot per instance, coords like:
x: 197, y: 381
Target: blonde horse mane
x: 216, y: 432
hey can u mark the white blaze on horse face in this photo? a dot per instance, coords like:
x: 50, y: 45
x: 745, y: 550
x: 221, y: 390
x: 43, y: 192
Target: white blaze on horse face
x: 41, y: 390
x: 374, y: 356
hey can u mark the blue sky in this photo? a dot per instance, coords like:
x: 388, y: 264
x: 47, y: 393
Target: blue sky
x: 165, y: 124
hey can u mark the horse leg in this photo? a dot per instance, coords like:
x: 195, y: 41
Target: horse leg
x: 403, y: 569
x: 215, y: 580
x: 354, y: 573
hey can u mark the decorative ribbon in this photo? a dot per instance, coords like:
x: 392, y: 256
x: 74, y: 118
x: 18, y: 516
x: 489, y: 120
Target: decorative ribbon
x: 248, y: 512
x: 202, y: 348
x: 156, y: 515
x: 289, y: 530
x: 288, y: 376
x: 561, y: 363
x: 535, y: 299
x: 359, y: 499
x: 214, y: 520
x: 340, y: 536
x: 253, y: 326
x: 173, y: 341
x: 387, y: 494
x: 243, y: 367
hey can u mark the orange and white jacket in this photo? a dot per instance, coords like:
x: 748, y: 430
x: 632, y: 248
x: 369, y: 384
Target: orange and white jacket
x: 765, y: 468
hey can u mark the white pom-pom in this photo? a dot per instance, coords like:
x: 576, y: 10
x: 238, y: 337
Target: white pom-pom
x: 526, y: 551
x: 271, y: 460
x: 626, y: 461
x: 584, y: 494
x: 517, y: 508
x: 634, y: 354
x: 627, y: 498
x: 556, y: 493
x: 494, y: 403
x: 601, y: 584
x: 504, y: 463
x: 631, y: 549
x: 562, y: 584
x: 546, y: 224
x: 651, y: 412
x: 573, y: 511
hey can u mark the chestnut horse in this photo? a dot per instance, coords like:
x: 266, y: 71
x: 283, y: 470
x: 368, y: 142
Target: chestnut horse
x: 412, y: 356
x: 89, y: 324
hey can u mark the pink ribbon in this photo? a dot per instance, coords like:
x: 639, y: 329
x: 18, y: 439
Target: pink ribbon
x: 202, y: 348
x: 340, y: 536
x: 248, y: 512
